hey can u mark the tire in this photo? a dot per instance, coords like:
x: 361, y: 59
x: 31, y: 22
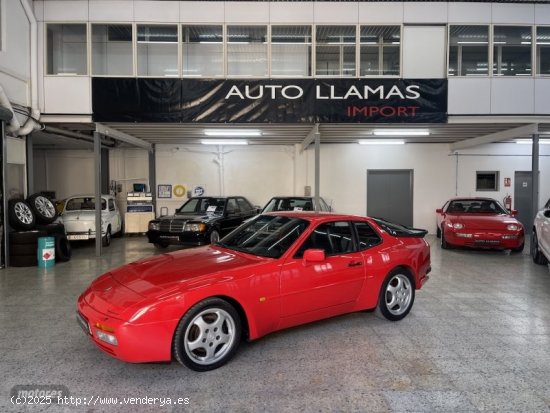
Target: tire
x: 52, y: 229
x: 397, y: 295
x: 214, y: 236
x: 438, y: 232
x: 26, y: 237
x: 161, y: 245
x: 518, y: 249
x: 20, y: 214
x: 219, y: 329
x: 24, y: 260
x: 107, y: 238
x: 23, y: 249
x: 536, y: 254
x: 444, y: 244
x: 63, y: 251
x: 43, y: 208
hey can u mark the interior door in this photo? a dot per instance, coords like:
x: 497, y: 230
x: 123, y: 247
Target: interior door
x: 390, y: 195
x: 523, y: 183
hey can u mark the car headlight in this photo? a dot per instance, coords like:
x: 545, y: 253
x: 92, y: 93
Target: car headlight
x: 458, y: 225
x: 195, y: 227
x: 512, y: 227
x: 154, y: 226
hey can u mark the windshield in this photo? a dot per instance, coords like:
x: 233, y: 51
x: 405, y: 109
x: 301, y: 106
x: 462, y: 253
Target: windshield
x: 203, y: 206
x: 475, y: 206
x: 266, y: 236
x: 292, y: 204
x: 83, y: 203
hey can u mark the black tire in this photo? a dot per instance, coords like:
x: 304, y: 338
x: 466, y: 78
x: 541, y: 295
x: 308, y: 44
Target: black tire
x: 23, y: 249
x: 26, y: 237
x: 20, y: 214
x: 223, y: 337
x: 397, y: 295
x: 438, y: 232
x: 52, y: 229
x: 63, y: 251
x: 444, y: 244
x: 43, y: 208
x: 106, y: 240
x: 518, y: 249
x: 214, y: 236
x: 536, y: 254
x: 161, y: 245
x: 24, y: 260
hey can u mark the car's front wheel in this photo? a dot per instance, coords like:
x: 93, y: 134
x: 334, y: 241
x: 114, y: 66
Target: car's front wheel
x: 208, y: 335
x: 107, y: 237
x: 214, y: 237
x: 397, y: 295
x: 536, y: 254
x: 444, y: 244
x: 161, y: 245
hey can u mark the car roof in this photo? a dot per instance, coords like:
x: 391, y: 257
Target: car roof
x: 88, y: 196
x: 315, y: 216
x: 472, y: 198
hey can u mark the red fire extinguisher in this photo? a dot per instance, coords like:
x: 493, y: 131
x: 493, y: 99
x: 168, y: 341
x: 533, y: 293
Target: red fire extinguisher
x: 508, y: 202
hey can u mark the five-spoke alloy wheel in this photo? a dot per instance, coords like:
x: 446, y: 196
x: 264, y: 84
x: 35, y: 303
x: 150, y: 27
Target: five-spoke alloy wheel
x: 397, y: 295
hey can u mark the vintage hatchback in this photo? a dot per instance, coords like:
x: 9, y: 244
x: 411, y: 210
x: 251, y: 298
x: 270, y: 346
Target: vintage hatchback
x: 275, y: 271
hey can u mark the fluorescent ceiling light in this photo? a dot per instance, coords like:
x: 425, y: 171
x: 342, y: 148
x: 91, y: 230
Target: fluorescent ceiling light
x: 232, y: 132
x: 224, y: 142
x: 381, y: 141
x: 530, y: 141
x: 471, y: 42
x: 400, y: 132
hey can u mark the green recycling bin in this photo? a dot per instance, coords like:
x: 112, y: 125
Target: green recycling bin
x: 46, y: 252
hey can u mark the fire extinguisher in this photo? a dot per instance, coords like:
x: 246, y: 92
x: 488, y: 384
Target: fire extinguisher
x: 508, y: 202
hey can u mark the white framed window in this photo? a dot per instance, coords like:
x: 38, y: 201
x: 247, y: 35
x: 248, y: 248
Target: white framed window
x: 543, y: 50
x: 380, y: 50
x: 291, y: 51
x: 202, y: 50
x: 157, y: 50
x: 335, y: 50
x: 66, y: 49
x: 112, y: 50
x: 468, y: 50
x: 247, y: 51
x: 512, y: 50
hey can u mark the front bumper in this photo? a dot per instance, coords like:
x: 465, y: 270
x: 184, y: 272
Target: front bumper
x: 181, y: 238
x: 485, y: 239
x: 137, y: 343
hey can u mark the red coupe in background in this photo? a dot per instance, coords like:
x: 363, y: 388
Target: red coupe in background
x: 479, y: 223
x: 275, y: 271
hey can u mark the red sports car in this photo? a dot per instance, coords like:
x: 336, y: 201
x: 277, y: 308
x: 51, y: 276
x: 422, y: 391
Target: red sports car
x: 275, y: 271
x: 479, y: 223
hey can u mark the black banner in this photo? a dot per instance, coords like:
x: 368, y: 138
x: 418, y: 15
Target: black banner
x: 269, y: 100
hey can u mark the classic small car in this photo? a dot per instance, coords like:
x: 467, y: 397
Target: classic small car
x: 479, y: 223
x: 275, y: 271
x: 79, y: 218
x: 540, y: 237
x: 200, y: 221
x: 294, y: 203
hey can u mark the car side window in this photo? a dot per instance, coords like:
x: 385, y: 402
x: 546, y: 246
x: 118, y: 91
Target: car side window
x: 333, y: 237
x: 366, y: 236
x: 232, y: 207
x: 244, y: 205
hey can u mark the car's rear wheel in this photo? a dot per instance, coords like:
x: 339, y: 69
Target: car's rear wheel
x: 536, y: 254
x: 397, y: 295
x: 208, y: 335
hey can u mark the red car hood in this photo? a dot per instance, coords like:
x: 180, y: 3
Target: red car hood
x: 483, y: 221
x: 163, y: 273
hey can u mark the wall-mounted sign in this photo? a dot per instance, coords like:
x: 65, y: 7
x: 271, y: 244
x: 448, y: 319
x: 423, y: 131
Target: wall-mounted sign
x: 507, y: 181
x: 269, y: 100
x: 199, y: 190
x: 164, y: 191
x: 179, y: 190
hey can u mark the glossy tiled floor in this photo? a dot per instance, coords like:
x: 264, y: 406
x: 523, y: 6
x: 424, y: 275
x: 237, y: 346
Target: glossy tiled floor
x: 477, y: 339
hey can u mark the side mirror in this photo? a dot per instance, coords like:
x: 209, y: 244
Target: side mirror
x: 439, y: 210
x: 314, y: 255
x: 547, y: 213
x: 514, y: 212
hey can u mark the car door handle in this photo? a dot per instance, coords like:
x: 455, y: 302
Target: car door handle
x: 355, y: 264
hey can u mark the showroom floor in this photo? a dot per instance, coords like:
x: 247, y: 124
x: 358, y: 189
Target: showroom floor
x: 477, y: 339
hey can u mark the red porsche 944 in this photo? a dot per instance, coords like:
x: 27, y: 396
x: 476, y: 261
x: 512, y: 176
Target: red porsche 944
x: 275, y: 271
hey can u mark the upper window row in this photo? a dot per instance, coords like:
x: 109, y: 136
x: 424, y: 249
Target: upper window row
x: 284, y: 51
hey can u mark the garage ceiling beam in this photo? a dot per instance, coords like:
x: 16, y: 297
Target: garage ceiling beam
x: 526, y: 130
x: 310, y: 138
x: 121, y: 136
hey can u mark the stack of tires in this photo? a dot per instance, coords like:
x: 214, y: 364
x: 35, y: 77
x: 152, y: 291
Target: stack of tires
x: 34, y: 218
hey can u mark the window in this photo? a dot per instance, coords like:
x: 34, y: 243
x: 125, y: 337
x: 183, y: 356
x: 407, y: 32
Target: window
x: 333, y: 237
x: 157, y: 50
x: 468, y: 51
x: 244, y: 205
x: 335, y: 50
x: 232, y: 207
x: 112, y: 50
x: 291, y: 51
x: 247, y: 50
x: 66, y: 49
x: 543, y: 50
x: 512, y: 50
x: 367, y: 236
x: 380, y: 50
x: 487, y: 180
x: 202, y: 50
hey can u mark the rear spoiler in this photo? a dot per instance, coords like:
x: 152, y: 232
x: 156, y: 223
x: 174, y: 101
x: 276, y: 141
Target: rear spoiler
x: 398, y: 230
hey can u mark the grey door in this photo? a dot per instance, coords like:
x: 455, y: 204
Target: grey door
x: 523, y: 181
x: 390, y: 195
